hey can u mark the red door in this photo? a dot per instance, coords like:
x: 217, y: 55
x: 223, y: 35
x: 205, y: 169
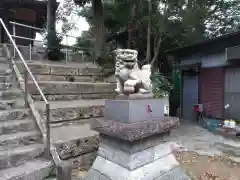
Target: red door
x: 212, y: 91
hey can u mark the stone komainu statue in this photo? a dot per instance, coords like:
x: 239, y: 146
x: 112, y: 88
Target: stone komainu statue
x: 130, y: 78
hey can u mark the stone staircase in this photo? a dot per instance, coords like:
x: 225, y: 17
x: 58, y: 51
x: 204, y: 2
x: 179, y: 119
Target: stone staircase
x: 76, y: 97
x: 21, y: 146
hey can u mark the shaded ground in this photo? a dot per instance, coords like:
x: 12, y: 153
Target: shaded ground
x: 200, y: 157
x: 192, y: 137
x: 202, y: 167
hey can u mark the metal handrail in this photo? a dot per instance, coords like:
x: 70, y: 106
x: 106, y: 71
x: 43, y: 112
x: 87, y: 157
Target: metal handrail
x: 31, y: 39
x: 26, y: 72
x: 39, y: 29
x: 32, y: 27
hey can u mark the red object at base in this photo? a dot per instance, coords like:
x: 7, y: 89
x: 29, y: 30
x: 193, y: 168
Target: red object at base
x: 196, y: 108
x: 149, y: 109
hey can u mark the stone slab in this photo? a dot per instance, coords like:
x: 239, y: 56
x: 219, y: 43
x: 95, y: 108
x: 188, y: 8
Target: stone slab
x: 73, y: 140
x: 134, y: 110
x: 30, y: 170
x: 134, y: 131
x: 70, y: 78
x: 77, y: 147
x: 175, y: 174
x: 230, y: 147
x: 227, y: 134
x: 137, y: 146
x: 136, y: 160
x: 134, y: 96
x: 94, y: 175
x: 47, y: 68
x: 72, y: 97
x: 65, y: 87
x: 150, y: 171
x: 13, y: 114
x: 72, y: 110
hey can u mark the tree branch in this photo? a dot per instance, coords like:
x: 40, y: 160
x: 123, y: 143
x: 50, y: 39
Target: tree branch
x: 216, y: 8
x: 156, y: 52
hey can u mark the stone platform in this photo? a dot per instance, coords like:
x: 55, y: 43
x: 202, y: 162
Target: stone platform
x: 57, y: 68
x: 65, y: 87
x: 77, y: 110
x: 132, y: 148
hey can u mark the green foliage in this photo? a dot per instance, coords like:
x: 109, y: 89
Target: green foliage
x: 106, y: 61
x: 54, y: 46
x: 177, y: 23
x: 64, y: 13
x: 161, y: 85
x: 85, y: 44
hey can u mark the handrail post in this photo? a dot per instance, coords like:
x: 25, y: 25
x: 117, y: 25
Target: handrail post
x: 14, y: 34
x: 66, y: 49
x: 25, y: 88
x: 30, y: 51
x: 47, y: 147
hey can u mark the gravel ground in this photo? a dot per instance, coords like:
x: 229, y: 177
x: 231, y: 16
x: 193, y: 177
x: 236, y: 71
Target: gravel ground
x: 202, y: 167
x: 194, y: 138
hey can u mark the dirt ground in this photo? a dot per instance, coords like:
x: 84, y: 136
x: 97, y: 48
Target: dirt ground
x: 201, y: 167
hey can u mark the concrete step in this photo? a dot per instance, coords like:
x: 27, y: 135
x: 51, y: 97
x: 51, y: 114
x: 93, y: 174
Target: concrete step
x: 229, y: 147
x: 8, y: 141
x: 5, y: 86
x: 10, y: 94
x: 2, y: 78
x: 63, y: 87
x: 14, y: 114
x: 4, y: 61
x: 6, y: 78
x: 9, y: 127
x: 11, y: 103
x: 17, y: 156
x: 74, y: 139
x: 73, y: 110
x: 30, y: 170
x: 5, y: 70
x: 2, y: 53
x: 61, y: 69
x: 68, y: 78
x: 70, y: 97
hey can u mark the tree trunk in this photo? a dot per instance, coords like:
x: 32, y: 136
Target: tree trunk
x: 132, y: 28
x: 156, y: 52
x: 97, y: 8
x: 148, y: 55
x: 51, y: 17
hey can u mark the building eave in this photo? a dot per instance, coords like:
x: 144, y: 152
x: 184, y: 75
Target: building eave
x: 39, y: 6
x: 212, y: 45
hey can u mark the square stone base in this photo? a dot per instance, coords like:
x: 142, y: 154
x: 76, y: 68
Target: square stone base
x: 174, y: 174
x: 146, y: 163
x: 134, y: 110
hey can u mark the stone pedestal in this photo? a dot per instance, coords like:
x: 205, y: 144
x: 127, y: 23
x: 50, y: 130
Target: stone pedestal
x: 132, y: 148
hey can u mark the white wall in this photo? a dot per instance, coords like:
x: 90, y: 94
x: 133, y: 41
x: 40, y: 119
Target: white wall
x: 212, y: 60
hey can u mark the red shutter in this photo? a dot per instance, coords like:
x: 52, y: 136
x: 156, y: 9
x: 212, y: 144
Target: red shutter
x: 212, y: 91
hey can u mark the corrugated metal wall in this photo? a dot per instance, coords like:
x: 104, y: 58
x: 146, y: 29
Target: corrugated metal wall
x: 232, y: 92
x: 190, y: 96
x: 212, y: 91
